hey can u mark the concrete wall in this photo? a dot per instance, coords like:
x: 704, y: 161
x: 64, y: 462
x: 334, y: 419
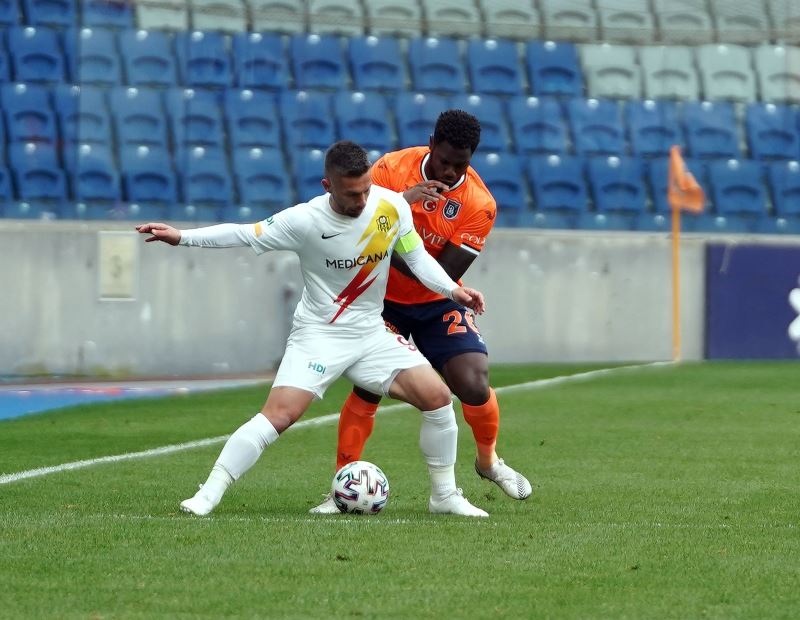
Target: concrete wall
x: 75, y: 299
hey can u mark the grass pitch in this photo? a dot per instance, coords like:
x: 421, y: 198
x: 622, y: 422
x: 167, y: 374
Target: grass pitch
x: 664, y: 492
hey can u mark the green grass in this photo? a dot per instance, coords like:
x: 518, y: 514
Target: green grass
x: 659, y: 493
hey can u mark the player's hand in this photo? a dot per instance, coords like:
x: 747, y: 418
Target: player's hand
x: 160, y: 232
x: 470, y: 298
x: 427, y: 190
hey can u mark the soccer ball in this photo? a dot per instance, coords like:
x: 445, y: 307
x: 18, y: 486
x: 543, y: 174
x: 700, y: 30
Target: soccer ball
x: 361, y: 488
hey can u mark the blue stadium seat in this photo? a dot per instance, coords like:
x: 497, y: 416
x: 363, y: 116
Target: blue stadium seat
x: 772, y: 131
x: 502, y: 173
x: 92, y: 56
x: 94, y: 176
x: 29, y: 117
x: 205, y: 179
x: 107, y: 13
x: 147, y: 175
x: 436, y: 65
x: 553, y: 68
x: 82, y: 114
x: 737, y: 187
x: 147, y: 58
x: 50, y: 12
x: 138, y: 116
x: 558, y: 183
x: 259, y: 60
x: 596, y: 127
x: 376, y: 63
x: 307, y: 119
x: 37, y: 173
x: 203, y: 59
x: 5, y: 63
x: 35, y: 54
x: 73, y: 152
x: 617, y: 184
x: 6, y: 192
x: 317, y: 61
x: 488, y: 109
x: 195, y: 120
x: 784, y: 179
x: 252, y: 118
x: 537, y: 125
x: 710, y: 129
x: 494, y: 67
x: 416, y: 115
x: 653, y: 127
x: 9, y: 12
x: 261, y: 177
x: 363, y: 118
x: 308, y: 169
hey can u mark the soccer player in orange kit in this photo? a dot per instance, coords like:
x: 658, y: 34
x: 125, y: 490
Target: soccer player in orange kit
x: 453, y: 212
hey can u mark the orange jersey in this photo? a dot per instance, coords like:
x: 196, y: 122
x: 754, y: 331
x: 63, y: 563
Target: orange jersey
x: 464, y: 216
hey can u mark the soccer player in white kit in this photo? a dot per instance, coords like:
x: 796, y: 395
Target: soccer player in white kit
x: 344, y: 239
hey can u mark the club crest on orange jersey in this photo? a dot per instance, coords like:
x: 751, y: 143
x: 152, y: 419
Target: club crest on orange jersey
x: 451, y: 209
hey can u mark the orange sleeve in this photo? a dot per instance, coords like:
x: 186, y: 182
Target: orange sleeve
x: 384, y: 176
x: 473, y: 232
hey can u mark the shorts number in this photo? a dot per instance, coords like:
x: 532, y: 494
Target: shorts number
x: 456, y: 318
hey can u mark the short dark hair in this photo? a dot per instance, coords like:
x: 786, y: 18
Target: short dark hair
x: 460, y: 129
x: 346, y: 159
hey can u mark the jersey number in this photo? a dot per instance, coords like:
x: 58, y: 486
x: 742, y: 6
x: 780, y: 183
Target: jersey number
x: 456, y: 318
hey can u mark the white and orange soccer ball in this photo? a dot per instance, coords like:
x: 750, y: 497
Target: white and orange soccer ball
x: 360, y: 488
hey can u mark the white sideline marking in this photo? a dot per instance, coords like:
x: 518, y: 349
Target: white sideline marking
x: 200, y: 443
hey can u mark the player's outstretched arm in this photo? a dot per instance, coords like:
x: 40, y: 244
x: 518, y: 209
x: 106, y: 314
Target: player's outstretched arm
x: 160, y: 232
x: 471, y: 298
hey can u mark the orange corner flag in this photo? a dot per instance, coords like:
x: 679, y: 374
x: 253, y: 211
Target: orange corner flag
x: 684, y: 191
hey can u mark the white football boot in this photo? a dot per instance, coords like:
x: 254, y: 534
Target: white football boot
x: 513, y: 483
x: 199, y: 505
x: 327, y: 507
x: 455, y: 504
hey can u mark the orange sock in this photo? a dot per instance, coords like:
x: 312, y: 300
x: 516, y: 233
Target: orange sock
x: 485, y: 421
x: 355, y: 426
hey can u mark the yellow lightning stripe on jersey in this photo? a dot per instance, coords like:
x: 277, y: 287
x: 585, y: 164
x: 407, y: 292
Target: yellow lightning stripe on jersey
x: 380, y: 233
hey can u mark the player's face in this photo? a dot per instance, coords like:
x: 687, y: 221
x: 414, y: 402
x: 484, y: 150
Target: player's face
x: 447, y: 163
x: 348, y: 194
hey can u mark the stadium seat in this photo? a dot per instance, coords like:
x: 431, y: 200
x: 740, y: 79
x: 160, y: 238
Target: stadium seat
x: 502, y: 174
x: 203, y: 59
x: 710, y: 129
x: 286, y: 16
x: 94, y: 176
x: 511, y: 19
x: 596, y: 126
x: 416, y: 115
x: 436, y: 65
x: 363, y: 118
x: 10, y: 12
x: 626, y: 21
x: 92, y: 56
x: 35, y: 54
x: 6, y: 192
x: 138, y: 116
x: 785, y: 19
x: 163, y: 15
x: 219, y: 15
x: 575, y: 21
x: 259, y: 60
x: 307, y: 119
x: 82, y: 114
x: 737, y: 187
x: 376, y: 63
x: 488, y: 109
x: 553, y: 68
x: 784, y: 180
x: 37, y: 173
x: 147, y: 58
x: 558, y: 183
x: 611, y: 71
x: 5, y: 64
x: 148, y: 176
x: 683, y: 21
x: 195, y: 120
x: 669, y: 73
x: 59, y: 13
x: 317, y: 61
x: 617, y: 183
x: 343, y: 17
x: 537, y: 125
x: 261, y: 177
x: 772, y: 131
x: 394, y: 17
x: 740, y: 22
x: 725, y: 72
x: 653, y: 127
x: 252, y: 119
x: 29, y: 116
x: 308, y: 170
x: 451, y: 18
x: 205, y: 179
x: 72, y: 152
x: 106, y: 13
x: 494, y: 67
x: 778, y: 72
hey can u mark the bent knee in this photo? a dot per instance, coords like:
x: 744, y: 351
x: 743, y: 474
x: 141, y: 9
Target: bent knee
x: 436, y: 398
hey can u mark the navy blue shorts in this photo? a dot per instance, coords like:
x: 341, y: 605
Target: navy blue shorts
x: 440, y: 329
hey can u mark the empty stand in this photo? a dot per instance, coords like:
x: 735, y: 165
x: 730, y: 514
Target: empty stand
x: 612, y: 71
x: 683, y: 21
x: 195, y: 120
x: 138, y: 117
x: 162, y: 14
x: 740, y: 22
x: 5, y: 65
x: 553, y: 68
x: 394, y: 17
x: 205, y: 179
x: 502, y: 173
x: 92, y: 56
x: 512, y: 19
x: 376, y: 63
x: 778, y: 72
x: 784, y: 179
x: 494, y: 67
x: 737, y: 187
x: 458, y: 18
x: 83, y: 115
x: 772, y: 131
x: 261, y: 177
x: 617, y: 184
x: 203, y: 59
x: 345, y: 17
x: 10, y: 12
x: 252, y: 119
x: 785, y: 19
x: 669, y: 72
x: 307, y: 119
x: 259, y: 60
x: 726, y: 73
x: 363, y: 118
x: 537, y: 125
x: 318, y: 61
x: 29, y: 116
x: 436, y: 65
x: 558, y: 183
x: 287, y: 16
x: 94, y: 177
x: 653, y: 127
x: 221, y: 15
x: 488, y: 110
x: 35, y: 54
x: 711, y: 129
x: 60, y: 13
x: 148, y: 176
x: 37, y: 173
x: 308, y: 170
x: 416, y: 115
x: 596, y: 127
x: 106, y: 13
x: 626, y: 21
x: 147, y: 58
x: 575, y: 20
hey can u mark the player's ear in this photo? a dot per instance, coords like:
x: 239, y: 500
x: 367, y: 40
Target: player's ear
x: 326, y: 184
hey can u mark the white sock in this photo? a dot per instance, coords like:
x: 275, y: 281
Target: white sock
x: 438, y: 439
x: 239, y: 454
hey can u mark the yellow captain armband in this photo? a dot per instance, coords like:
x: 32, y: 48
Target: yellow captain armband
x: 408, y: 242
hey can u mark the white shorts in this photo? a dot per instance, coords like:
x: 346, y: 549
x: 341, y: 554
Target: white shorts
x: 318, y: 355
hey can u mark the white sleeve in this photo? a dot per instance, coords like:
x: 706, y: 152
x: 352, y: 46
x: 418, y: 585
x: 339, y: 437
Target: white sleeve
x: 429, y: 271
x: 219, y: 236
